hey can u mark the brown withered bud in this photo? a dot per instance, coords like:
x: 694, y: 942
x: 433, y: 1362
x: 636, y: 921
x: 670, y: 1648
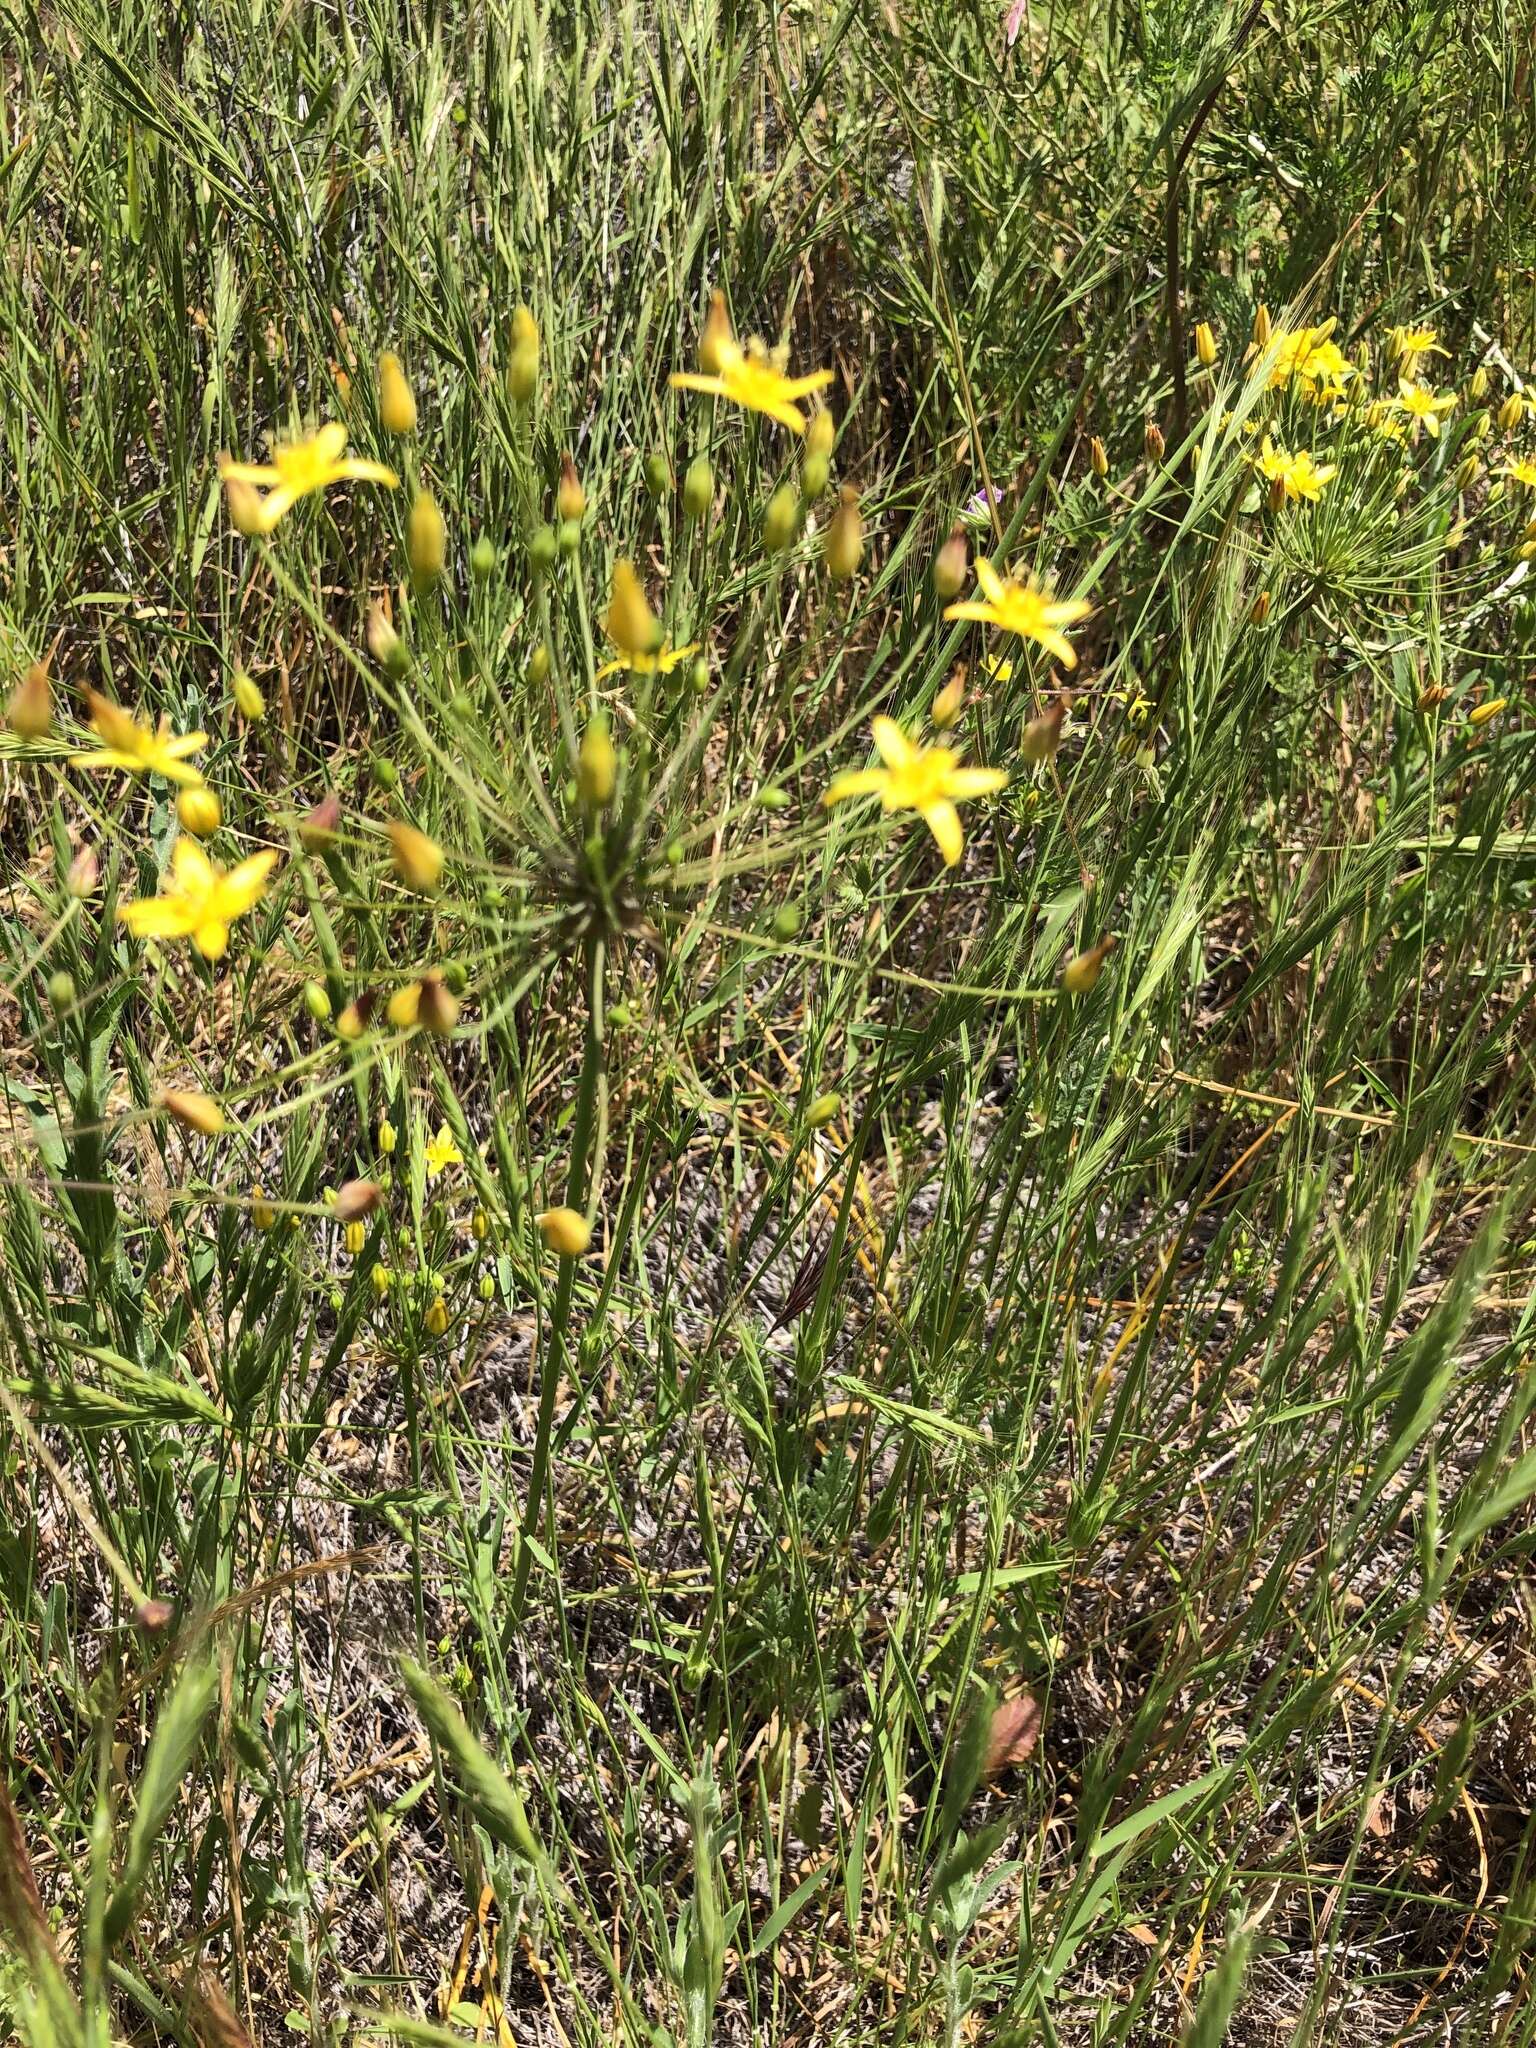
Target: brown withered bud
x: 154, y: 1616
x: 1153, y: 438
x: 356, y: 1199
x: 84, y: 877
x: 1432, y: 696
x: 437, y: 1010
x: 1042, y: 735
x: 320, y: 823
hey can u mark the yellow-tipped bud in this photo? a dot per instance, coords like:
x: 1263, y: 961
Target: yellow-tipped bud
x: 717, y: 337
x: 1260, y: 609
x: 388, y: 1137
x: 193, y: 1110
x: 354, y: 1237
x: 381, y: 1279
x: 1205, y: 343
x: 523, y: 368
x: 1081, y: 972
x: 263, y: 1215
x: 565, y: 1231
x: 1511, y: 412
x: 1262, y: 327
x: 352, y: 1021
x: 1153, y: 439
x: 397, y: 401
x: 418, y: 859
x: 631, y: 625
x: 479, y: 1226
x: 845, y: 536
x: 1477, y: 387
x: 821, y: 433
x: 570, y: 498
x: 198, y: 809
x: 1098, y: 456
x: 597, y: 764
x: 950, y: 701
x: 426, y: 540
x: 248, y: 697
x: 436, y: 1318
x: 822, y: 1111
x: 404, y: 1006
x: 951, y: 566
x: 30, y: 711
x: 1486, y: 711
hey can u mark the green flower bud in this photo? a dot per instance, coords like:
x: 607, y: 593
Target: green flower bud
x: 61, y: 990
x: 543, y: 550
x: 383, y: 773
x: 786, y: 921
x: 822, y: 1111
x: 698, y: 488
x: 658, y: 476
x: 570, y: 536
x: 814, y: 473
x: 482, y: 558
x: 317, y: 1001
x: 781, y: 519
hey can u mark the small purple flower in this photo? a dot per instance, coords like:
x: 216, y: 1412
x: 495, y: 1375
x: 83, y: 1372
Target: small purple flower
x: 978, y: 510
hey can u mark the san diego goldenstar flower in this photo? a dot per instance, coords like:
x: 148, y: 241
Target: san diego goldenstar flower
x: 928, y: 780
x: 1023, y: 608
x: 297, y: 470
x: 202, y: 901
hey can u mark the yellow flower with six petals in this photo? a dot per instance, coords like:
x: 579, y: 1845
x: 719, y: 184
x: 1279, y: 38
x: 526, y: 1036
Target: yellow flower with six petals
x: 1292, y: 476
x: 1422, y: 407
x: 442, y: 1152
x: 136, y: 748
x: 203, y: 899
x: 661, y: 663
x: 750, y: 376
x: 297, y: 470
x: 928, y: 780
x: 1023, y: 608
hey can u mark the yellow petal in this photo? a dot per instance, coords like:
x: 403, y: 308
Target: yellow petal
x: 856, y: 782
x: 961, y: 783
x: 891, y: 743
x: 246, y: 884
x: 212, y: 938
x: 989, y: 579
x: 943, y: 821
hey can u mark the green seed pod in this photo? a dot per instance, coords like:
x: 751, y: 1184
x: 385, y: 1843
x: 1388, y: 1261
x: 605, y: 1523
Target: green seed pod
x: 658, y: 476
x: 698, y: 488
x: 786, y: 921
x: 317, y: 1001
x: 781, y: 519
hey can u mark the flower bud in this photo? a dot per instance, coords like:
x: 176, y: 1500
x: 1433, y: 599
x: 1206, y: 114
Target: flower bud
x: 193, y: 1110
x: 717, y: 336
x: 263, y: 1215
x: 436, y: 1318
x: 61, y: 990
x: 198, y: 809
x: 388, y: 1137
x: 845, y: 536
x: 781, y: 519
x: 383, y: 772
x: 418, y: 859
x: 437, y: 1007
x: 385, y: 644
x: 154, y: 1616
x: 814, y: 474
x: 597, y: 764
x: 786, y: 922
x: 543, y: 550
x: 1205, y: 343
x: 426, y: 541
x: 30, y: 711
x: 1276, y: 493
x: 1098, y: 457
x: 950, y: 700
x: 772, y: 797
x: 1259, y: 611
x: 248, y: 697
x: 356, y: 1199
x: 1042, y: 736
x: 568, y: 539
x: 1467, y: 471
x: 565, y: 1231
x: 479, y: 1226
x: 354, y: 1237
x: 1511, y: 412
x: 482, y: 558
x: 698, y: 489
x: 381, y: 1279
x: 397, y: 402
x: 539, y: 664
x: 1153, y: 441
x: 951, y: 565
x: 658, y: 477
x: 317, y: 1001
x: 570, y: 498
x: 404, y: 1005
x: 84, y: 875
x: 822, y: 1111
x: 631, y: 625
x: 1262, y: 327
x: 1431, y: 697
x: 1080, y: 973
x: 821, y: 433
x: 319, y: 825
x: 1485, y: 711
x: 487, y: 1287
x: 1477, y: 386
x: 698, y: 676
x: 354, y: 1017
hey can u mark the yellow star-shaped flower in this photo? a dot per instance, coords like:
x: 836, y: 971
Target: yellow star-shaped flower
x: 748, y: 376
x: 661, y: 663
x: 1422, y: 406
x: 135, y: 747
x: 1294, y: 476
x: 297, y: 470
x: 203, y: 899
x: 442, y: 1152
x: 1023, y: 608
x: 928, y: 780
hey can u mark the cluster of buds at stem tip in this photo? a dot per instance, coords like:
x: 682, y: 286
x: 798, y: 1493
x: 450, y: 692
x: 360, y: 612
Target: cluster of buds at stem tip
x: 30, y: 711
x: 1082, y: 970
x: 397, y: 402
x: 1042, y: 736
x: 523, y: 368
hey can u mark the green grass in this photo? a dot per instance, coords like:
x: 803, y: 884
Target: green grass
x: 616, y: 1654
